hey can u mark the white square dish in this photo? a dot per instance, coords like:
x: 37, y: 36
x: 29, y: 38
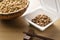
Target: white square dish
x: 32, y: 15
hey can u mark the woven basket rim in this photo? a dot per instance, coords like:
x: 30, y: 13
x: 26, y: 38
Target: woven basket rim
x: 17, y: 10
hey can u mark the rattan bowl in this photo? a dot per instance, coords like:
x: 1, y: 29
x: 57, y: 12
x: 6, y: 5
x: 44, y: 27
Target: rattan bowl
x: 13, y: 15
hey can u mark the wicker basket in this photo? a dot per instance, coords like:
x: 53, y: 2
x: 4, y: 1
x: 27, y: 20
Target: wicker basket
x: 14, y: 14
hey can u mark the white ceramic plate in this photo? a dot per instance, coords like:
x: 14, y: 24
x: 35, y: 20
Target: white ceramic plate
x: 39, y: 11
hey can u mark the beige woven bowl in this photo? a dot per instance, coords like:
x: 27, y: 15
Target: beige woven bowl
x: 13, y: 15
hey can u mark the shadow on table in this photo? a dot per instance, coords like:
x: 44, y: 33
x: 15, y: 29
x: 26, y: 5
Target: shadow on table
x: 19, y: 23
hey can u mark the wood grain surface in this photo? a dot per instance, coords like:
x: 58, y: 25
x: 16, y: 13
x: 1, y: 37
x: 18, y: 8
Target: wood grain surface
x: 13, y: 29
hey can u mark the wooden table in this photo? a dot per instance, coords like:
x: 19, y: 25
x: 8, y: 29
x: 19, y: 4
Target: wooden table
x: 13, y: 30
